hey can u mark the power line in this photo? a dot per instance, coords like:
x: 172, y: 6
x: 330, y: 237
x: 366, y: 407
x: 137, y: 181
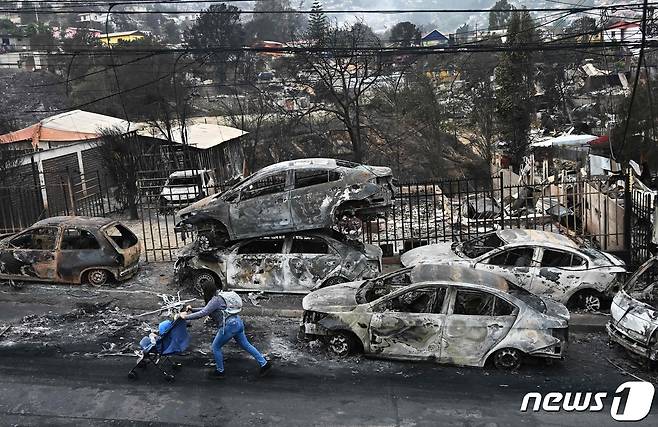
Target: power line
x: 637, y: 74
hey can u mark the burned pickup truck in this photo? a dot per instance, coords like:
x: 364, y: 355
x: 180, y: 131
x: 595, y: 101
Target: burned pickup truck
x: 291, y: 263
x: 297, y: 195
x: 70, y: 249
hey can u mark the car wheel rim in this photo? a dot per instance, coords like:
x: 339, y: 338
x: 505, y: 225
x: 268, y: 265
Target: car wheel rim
x: 508, y: 359
x: 97, y: 277
x: 339, y: 345
x: 202, y: 281
x: 592, y: 303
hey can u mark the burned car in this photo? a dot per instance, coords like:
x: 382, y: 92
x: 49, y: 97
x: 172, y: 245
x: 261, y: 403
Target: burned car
x: 70, y: 249
x: 296, y: 195
x: 544, y: 263
x: 449, y: 314
x: 634, y: 312
x: 295, y: 263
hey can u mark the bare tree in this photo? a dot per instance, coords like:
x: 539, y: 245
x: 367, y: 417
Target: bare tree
x: 343, y: 68
x: 121, y: 155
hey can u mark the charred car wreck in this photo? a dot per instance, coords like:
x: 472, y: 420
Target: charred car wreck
x: 295, y: 263
x: 634, y: 312
x: 297, y: 195
x: 449, y: 314
x: 70, y: 250
x: 543, y: 263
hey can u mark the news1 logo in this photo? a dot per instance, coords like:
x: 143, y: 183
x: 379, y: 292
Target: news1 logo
x: 631, y: 402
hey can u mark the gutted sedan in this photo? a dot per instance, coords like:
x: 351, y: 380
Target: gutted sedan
x: 544, y: 263
x: 296, y: 195
x: 634, y: 312
x: 449, y: 314
x: 294, y: 263
x: 70, y: 249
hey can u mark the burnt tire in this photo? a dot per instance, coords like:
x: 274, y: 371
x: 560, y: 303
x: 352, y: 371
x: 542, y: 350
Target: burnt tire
x: 202, y: 279
x: 507, y: 359
x: 343, y: 344
x: 97, y: 277
x: 590, y: 301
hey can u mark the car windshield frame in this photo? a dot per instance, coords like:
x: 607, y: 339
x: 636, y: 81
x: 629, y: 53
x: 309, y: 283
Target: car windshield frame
x: 463, y: 251
x: 629, y: 286
x: 361, y: 291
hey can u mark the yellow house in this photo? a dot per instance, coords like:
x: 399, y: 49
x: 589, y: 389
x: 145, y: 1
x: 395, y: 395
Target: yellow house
x: 124, y: 36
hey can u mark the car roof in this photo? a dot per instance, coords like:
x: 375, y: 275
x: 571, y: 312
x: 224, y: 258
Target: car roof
x: 315, y: 163
x: 514, y: 235
x: 75, y: 221
x: 457, y: 274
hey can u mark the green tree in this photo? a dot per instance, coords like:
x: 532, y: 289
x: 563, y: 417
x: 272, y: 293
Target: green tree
x: 279, y: 26
x: 318, y: 24
x: 500, y: 15
x: 405, y: 34
x: 41, y: 37
x: 515, y: 86
x: 219, y: 28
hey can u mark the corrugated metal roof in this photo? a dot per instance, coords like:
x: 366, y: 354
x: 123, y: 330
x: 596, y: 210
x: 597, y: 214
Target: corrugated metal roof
x: 76, y: 125
x: 200, y: 135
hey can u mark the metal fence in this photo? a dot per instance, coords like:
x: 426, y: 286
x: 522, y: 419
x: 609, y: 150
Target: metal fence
x: 85, y: 195
x: 433, y: 211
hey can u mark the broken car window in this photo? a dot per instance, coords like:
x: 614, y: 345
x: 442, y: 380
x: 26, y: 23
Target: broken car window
x: 476, y: 303
x: 376, y: 288
x: 123, y: 237
x: 262, y: 246
x: 424, y: 300
x: 481, y: 245
x: 517, y: 257
x: 76, y: 239
x: 42, y: 238
x: 307, y: 178
x: 555, y: 258
x: 308, y: 245
x: 271, y: 184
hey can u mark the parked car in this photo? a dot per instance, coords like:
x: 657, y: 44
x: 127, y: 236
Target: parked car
x: 449, y: 314
x: 544, y: 263
x: 70, y: 249
x: 634, y: 312
x: 297, y: 195
x: 295, y: 263
x: 187, y: 186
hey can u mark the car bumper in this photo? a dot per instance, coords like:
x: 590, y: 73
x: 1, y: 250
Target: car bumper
x: 630, y: 344
x: 128, y: 272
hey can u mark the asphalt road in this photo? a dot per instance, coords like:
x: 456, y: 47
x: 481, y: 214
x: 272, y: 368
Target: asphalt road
x: 59, y: 390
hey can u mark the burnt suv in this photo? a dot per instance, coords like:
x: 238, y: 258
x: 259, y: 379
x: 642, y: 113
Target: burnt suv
x: 297, y: 195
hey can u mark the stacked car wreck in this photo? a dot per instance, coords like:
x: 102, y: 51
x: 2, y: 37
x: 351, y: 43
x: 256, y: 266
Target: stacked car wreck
x: 290, y: 227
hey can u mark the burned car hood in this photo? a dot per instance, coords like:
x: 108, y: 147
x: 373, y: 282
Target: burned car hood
x: 332, y: 297
x: 438, y: 252
x: 636, y: 319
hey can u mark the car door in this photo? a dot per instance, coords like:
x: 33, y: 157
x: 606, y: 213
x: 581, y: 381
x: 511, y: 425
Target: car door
x: 313, y: 196
x: 257, y: 264
x: 31, y: 255
x: 263, y: 206
x: 475, y: 323
x: 310, y: 260
x: 408, y: 324
x: 515, y: 264
x: 559, y: 272
x: 78, y: 250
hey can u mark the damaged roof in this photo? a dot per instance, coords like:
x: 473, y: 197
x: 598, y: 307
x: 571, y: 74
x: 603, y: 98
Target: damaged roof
x: 510, y: 235
x: 76, y: 125
x: 81, y: 221
x: 458, y: 274
x: 199, y: 135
